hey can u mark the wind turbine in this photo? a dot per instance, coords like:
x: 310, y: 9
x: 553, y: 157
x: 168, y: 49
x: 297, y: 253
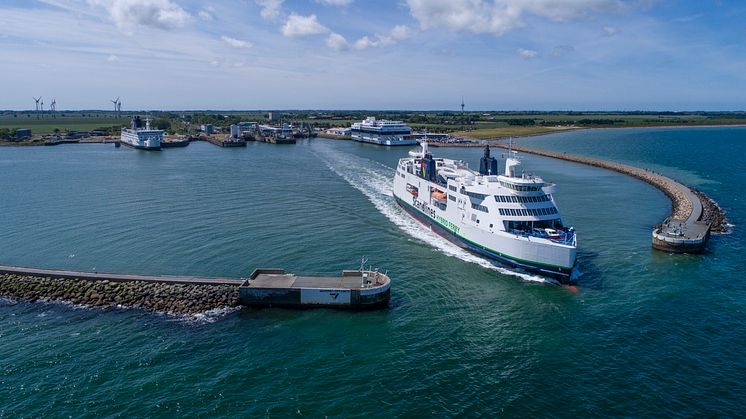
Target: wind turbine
x: 115, y: 102
x: 53, y: 107
x: 37, y: 105
x: 119, y: 109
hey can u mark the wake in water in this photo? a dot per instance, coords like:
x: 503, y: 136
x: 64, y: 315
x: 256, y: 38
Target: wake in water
x: 374, y: 180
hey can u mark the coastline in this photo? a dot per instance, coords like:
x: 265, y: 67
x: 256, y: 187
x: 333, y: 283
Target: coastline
x: 496, y: 140
x: 477, y: 142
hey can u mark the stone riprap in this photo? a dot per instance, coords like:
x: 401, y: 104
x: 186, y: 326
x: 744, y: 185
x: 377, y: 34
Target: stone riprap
x: 175, y: 299
x: 681, y: 200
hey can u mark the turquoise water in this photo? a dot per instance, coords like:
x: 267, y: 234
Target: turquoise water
x: 646, y: 333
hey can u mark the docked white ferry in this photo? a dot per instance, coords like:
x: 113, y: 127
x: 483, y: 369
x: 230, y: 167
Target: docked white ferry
x: 508, y: 217
x: 142, y: 138
x: 381, y: 132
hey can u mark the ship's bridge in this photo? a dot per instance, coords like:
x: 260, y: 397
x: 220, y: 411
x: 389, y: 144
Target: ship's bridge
x: 525, y: 183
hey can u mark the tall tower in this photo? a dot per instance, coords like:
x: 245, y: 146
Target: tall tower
x: 462, y: 106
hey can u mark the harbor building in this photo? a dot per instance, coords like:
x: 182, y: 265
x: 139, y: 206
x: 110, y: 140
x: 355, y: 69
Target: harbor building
x: 23, y: 134
x: 207, y: 129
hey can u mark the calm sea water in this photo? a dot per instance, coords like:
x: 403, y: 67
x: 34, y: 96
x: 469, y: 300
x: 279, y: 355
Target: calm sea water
x: 647, y: 333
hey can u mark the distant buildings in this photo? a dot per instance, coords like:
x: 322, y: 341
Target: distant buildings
x: 207, y: 129
x: 23, y: 134
x: 339, y: 131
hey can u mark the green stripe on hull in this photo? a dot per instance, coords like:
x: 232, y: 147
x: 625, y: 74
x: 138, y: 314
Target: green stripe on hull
x: 479, y: 245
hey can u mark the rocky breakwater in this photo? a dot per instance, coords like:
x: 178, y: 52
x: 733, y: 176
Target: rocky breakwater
x: 169, y: 298
x: 693, y: 214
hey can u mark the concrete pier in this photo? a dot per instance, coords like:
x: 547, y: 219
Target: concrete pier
x: 685, y: 230
x: 192, y: 294
x: 226, y: 142
x: 351, y: 290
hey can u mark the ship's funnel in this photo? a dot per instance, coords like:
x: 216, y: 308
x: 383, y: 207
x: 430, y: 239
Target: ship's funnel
x: 487, y: 164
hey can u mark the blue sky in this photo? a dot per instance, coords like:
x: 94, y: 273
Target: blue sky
x: 355, y: 54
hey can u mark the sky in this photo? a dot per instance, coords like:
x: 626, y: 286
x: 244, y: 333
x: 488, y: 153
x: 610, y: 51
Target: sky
x: 650, y: 55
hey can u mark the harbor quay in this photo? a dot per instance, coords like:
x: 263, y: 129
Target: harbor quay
x: 694, y: 215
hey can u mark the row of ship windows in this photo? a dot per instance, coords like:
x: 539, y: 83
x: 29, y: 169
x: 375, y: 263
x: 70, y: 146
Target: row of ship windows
x: 476, y: 195
x: 504, y: 198
x: 534, y: 212
x: 480, y: 207
x: 520, y: 187
x: 522, y: 199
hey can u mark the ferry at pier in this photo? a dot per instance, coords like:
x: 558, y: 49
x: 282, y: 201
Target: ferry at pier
x: 510, y: 217
x: 382, y: 132
x: 140, y: 137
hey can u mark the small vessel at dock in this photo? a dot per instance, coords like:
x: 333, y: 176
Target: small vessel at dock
x: 354, y: 289
x: 139, y: 137
x: 382, y: 132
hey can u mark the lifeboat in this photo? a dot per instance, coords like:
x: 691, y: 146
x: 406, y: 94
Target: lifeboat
x: 438, y: 195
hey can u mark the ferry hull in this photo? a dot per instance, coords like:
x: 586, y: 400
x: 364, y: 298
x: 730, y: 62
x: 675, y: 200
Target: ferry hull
x: 140, y: 147
x: 562, y: 274
x: 383, y: 142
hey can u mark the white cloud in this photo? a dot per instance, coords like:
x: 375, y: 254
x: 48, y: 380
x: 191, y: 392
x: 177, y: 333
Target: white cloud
x: 205, y: 15
x: 398, y: 33
x: 366, y: 42
x: 235, y: 43
x: 299, y: 26
x: 610, y: 30
x: 270, y: 8
x: 499, y: 16
x: 527, y: 54
x: 112, y: 59
x: 401, y: 32
x: 334, y: 2
x: 337, y: 42
x: 162, y: 14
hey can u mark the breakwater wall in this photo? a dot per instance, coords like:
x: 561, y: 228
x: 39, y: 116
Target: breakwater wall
x: 169, y: 295
x: 681, y: 203
x: 693, y: 214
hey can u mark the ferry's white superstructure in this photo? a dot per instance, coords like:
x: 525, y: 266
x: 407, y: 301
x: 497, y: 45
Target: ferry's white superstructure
x: 509, y: 217
x: 381, y: 132
x: 142, y: 138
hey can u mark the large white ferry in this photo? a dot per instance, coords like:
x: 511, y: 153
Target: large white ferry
x: 142, y: 138
x: 509, y: 217
x: 381, y: 132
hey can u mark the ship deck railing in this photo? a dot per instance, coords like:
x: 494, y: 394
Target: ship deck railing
x: 565, y: 237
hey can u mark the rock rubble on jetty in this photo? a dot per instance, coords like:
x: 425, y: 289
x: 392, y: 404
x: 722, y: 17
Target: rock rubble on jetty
x: 175, y: 299
x: 712, y: 213
x: 680, y: 202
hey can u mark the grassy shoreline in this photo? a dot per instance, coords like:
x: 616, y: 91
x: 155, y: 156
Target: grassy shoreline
x: 495, y: 140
